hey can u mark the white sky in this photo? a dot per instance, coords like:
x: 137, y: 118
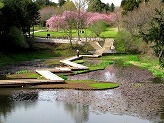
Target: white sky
x: 116, y: 2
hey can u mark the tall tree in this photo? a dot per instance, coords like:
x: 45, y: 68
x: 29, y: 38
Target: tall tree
x: 80, y: 22
x: 61, y: 2
x: 46, y: 13
x: 19, y: 15
x: 43, y: 3
x: 148, y: 22
x: 95, y: 6
x: 129, y: 5
x: 112, y: 7
x: 155, y: 34
x: 106, y: 7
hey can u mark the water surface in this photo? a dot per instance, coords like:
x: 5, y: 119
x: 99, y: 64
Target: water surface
x: 137, y: 100
x: 73, y: 106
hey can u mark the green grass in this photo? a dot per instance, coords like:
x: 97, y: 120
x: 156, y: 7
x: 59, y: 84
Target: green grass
x: 23, y: 71
x: 104, y: 85
x: 79, y: 61
x: 95, y: 84
x: 94, y: 67
x: 25, y: 75
x: 47, y: 52
x: 25, y: 56
x: 63, y: 77
x: 100, y: 66
x: 147, y: 62
x: 109, y: 33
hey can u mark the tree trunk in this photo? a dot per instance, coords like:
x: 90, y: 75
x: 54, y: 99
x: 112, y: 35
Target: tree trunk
x: 70, y: 38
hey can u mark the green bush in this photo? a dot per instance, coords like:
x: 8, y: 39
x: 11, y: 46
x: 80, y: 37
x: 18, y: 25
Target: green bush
x: 17, y: 38
x: 125, y: 42
x: 98, y: 27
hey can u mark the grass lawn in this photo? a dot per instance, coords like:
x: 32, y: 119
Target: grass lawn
x: 48, y: 51
x: 80, y: 85
x: 147, y: 62
x: 109, y: 33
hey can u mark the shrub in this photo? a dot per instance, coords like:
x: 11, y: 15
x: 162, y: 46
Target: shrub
x: 17, y: 38
x: 98, y: 27
x: 125, y: 42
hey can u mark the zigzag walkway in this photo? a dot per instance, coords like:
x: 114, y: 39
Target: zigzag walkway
x: 47, y: 73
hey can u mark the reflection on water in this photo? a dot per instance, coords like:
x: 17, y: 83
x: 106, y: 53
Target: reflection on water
x: 117, y: 74
x: 137, y: 100
x: 72, y: 106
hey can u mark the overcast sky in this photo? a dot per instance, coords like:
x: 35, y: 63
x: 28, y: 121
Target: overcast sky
x: 116, y: 2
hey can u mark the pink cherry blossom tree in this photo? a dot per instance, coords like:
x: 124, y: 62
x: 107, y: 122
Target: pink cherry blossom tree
x: 98, y: 22
x: 56, y: 22
x: 95, y: 17
x: 70, y: 20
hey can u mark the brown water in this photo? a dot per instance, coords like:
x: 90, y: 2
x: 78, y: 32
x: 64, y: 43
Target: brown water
x: 73, y: 106
x: 119, y: 74
x: 137, y: 100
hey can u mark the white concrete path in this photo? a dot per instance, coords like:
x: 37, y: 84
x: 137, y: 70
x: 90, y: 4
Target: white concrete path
x: 48, y: 75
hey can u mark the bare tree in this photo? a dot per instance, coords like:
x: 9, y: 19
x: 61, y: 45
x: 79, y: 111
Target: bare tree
x: 141, y: 18
x: 81, y: 6
x: 147, y: 22
x: 46, y: 13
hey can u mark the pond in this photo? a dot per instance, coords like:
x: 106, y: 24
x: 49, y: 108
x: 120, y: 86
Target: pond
x: 137, y: 100
x: 74, y: 106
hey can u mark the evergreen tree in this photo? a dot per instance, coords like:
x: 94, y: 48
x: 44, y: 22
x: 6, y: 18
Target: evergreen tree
x: 129, y: 5
x: 112, y: 7
x: 18, y: 16
x: 61, y: 2
x: 95, y: 6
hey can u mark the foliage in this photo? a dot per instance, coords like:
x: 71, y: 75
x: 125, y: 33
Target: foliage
x: 98, y: 6
x: 95, y: 17
x: 104, y: 85
x: 61, y: 2
x: 1, y: 5
x: 125, y: 42
x: 20, y: 14
x: 23, y: 71
x: 145, y: 61
x: 17, y: 38
x: 70, y: 20
x: 147, y: 22
x: 98, y: 27
x: 46, y: 13
x: 68, y: 6
x: 94, y: 67
x: 156, y: 35
x: 129, y: 5
x: 112, y: 8
x: 71, y: 16
x: 43, y: 3
x: 95, y: 6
